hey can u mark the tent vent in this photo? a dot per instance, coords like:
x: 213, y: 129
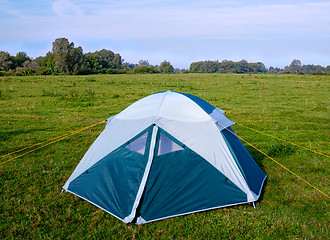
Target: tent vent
x: 166, y: 145
x: 139, y: 144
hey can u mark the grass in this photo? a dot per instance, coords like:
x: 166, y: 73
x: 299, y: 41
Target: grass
x: 35, y: 109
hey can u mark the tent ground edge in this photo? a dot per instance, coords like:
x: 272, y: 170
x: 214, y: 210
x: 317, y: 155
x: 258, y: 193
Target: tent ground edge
x: 143, y: 221
x: 95, y: 205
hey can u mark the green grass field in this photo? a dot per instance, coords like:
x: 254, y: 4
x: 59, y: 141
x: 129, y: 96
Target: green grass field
x: 35, y: 109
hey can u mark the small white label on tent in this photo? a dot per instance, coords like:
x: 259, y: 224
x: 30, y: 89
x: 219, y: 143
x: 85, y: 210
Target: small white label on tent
x: 139, y: 145
x: 166, y: 145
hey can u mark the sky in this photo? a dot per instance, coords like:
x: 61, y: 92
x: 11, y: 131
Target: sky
x: 180, y: 31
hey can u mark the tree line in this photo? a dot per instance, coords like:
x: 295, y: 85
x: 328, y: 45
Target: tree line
x: 65, y: 58
x: 245, y: 67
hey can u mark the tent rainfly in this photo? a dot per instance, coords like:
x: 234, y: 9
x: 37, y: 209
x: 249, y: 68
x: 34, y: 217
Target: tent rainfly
x: 166, y: 155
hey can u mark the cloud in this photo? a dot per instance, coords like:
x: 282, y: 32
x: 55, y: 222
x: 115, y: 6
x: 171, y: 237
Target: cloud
x: 146, y: 22
x: 7, y: 10
x: 66, y: 8
x: 192, y: 29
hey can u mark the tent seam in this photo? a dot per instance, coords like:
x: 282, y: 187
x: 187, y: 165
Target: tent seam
x: 202, y: 210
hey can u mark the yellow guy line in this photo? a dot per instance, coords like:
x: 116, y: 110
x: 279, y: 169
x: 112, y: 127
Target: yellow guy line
x: 20, y: 150
x: 309, y: 149
x: 259, y: 126
x: 323, y: 154
x: 275, y: 161
x: 56, y: 140
x: 87, y: 139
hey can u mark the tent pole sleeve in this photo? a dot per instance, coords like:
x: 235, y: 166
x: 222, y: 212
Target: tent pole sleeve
x: 130, y: 217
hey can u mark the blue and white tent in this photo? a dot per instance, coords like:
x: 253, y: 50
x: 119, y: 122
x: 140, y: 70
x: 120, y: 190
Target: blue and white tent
x: 166, y: 155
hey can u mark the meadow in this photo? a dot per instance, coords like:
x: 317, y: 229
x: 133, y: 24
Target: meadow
x: 38, y: 108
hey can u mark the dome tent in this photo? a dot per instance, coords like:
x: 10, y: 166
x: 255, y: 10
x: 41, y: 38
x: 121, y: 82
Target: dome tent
x: 166, y: 155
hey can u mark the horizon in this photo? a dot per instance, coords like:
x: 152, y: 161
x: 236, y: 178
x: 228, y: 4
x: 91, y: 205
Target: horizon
x: 181, y: 32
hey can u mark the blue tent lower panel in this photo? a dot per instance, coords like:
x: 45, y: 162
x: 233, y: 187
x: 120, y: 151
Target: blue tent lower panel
x: 182, y: 182
x: 113, y: 182
x: 253, y: 175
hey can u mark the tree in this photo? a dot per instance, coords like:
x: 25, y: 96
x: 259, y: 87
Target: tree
x: 295, y: 63
x: 6, y: 61
x: 310, y: 68
x: 144, y: 63
x: 195, y: 67
x: 166, y: 67
x: 20, y: 58
x: 274, y: 70
x: 204, y: 67
x: 129, y: 66
x: 227, y: 66
x: 67, y: 58
x: 75, y: 60
x: 106, y: 57
x: 257, y: 67
x: 92, y: 63
x: 140, y: 69
x: 117, y: 62
x: 27, y: 68
x: 261, y: 67
x: 295, y: 66
x: 145, y: 69
x: 242, y: 67
x: 61, y: 48
x: 46, y: 64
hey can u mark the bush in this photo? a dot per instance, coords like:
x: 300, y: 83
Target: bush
x: 44, y: 71
x: 281, y: 149
x: 24, y: 71
x: 85, y: 71
x: 145, y: 69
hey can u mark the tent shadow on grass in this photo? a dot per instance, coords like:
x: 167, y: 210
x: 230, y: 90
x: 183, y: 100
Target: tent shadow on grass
x: 259, y: 158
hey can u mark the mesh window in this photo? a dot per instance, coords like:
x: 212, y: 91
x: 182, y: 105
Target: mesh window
x: 166, y: 145
x: 139, y: 144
